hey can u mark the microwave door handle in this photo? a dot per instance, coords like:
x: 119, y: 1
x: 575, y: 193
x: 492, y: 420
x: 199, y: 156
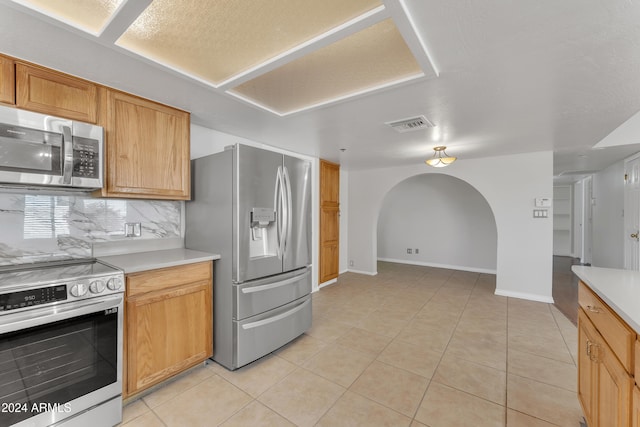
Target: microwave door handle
x: 67, y: 147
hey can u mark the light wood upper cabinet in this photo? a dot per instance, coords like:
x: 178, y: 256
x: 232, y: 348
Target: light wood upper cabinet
x: 329, y: 221
x: 49, y: 92
x: 7, y: 81
x: 147, y: 148
x: 168, y: 323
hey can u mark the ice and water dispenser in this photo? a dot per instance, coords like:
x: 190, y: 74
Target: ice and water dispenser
x: 264, y: 239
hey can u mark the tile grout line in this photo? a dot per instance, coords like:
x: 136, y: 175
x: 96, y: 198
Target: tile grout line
x: 424, y: 394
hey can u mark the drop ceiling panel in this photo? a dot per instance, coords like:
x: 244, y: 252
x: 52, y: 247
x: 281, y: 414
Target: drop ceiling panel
x: 88, y: 15
x: 215, y: 40
x: 369, y: 59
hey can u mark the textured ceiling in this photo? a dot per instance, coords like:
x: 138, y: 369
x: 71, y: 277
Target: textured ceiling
x: 500, y: 78
x: 215, y: 40
x: 88, y: 15
x: 370, y: 58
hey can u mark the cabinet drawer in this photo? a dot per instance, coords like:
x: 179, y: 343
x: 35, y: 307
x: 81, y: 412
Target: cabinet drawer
x: 618, y: 335
x: 163, y: 278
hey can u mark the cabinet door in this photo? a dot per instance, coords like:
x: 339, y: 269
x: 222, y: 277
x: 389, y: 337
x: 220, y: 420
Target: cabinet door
x: 7, y: 81
x: 167, y: 332
x: 635, y: 411
x: 54, y: 93
x: 587, y: 373
x: 614, y: 389
x: 147, y: 149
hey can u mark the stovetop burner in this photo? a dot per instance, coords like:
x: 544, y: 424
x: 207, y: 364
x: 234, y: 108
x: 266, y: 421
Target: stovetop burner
x: 26, y: 286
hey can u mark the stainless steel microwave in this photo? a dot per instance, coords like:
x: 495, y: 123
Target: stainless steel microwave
x: 42, y: 150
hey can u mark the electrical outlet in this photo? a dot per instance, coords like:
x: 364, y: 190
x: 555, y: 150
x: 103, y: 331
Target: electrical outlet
x: 409, y: 250
x: 350, y: 263
x: 417, y: 251
x: 132, y: 229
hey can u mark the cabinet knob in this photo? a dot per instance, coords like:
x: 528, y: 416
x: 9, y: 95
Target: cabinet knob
x: 635, y: 235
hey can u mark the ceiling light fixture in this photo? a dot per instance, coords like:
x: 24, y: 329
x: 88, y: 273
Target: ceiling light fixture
x: 440, y: 158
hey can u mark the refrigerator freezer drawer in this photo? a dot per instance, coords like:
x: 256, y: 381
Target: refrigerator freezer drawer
x: 262, y: 334
x: 263, y: 295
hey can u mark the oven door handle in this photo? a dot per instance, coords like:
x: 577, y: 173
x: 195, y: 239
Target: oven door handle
x: 42, y: 316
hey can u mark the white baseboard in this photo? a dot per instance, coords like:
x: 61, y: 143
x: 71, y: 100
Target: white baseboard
x: 368, y: 273
x: 327, y: 283
x: 523, y: 295
x: 436, y: 265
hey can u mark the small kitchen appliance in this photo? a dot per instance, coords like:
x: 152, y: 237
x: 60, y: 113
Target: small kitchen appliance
x: 42, y: 150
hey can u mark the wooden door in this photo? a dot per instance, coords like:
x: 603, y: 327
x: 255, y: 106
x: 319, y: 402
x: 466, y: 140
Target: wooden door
x: 7, y: 81
x: 49, y: 92
x: 587, y: 377
x: 329, y: 221
x: 147, y: 149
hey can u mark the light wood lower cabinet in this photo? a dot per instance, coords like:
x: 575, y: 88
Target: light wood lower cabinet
x: 168, y: 323
x: 604, y: 386
x: 606, y: 363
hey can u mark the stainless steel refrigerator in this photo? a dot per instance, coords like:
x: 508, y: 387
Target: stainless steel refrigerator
x: 252, y: 206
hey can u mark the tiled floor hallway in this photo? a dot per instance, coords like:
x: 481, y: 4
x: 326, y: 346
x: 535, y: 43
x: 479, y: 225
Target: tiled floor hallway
x: 412, y: 346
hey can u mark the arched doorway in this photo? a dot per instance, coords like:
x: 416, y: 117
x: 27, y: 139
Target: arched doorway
x: 437, y: 220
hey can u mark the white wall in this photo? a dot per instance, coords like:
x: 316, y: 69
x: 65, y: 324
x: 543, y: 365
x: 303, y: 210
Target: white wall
x: 608, y: 222
x: 447, y: 219
x: 509, y: 183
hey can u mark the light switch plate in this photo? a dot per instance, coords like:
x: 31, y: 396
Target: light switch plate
x: 540, y: 213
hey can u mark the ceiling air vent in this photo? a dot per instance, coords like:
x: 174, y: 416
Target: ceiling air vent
x: 410, y: 124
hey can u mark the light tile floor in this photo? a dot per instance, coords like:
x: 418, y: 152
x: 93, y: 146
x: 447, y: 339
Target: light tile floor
x: 412, y: 346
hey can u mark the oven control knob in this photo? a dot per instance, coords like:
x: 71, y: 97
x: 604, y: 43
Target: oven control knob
x: 114, y: 284
x: 78, y: 290
x: 96, y: 286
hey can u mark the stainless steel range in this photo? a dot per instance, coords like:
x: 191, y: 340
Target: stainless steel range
x: 61, y: 344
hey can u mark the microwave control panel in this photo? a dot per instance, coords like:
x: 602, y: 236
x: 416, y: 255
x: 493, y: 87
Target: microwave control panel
x: 86, y: 157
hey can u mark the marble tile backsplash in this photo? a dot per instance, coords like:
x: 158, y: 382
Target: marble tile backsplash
x: 37, y: 227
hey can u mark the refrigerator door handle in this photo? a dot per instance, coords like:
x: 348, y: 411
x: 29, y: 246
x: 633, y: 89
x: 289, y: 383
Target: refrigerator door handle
x: 278, y: 203
x: 284, y: 282
x: 275, y: 318
x: 288, y: 220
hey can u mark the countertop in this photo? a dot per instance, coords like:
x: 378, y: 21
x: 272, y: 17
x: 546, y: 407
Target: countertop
x: 620, y: 289
x: 143, y: 261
